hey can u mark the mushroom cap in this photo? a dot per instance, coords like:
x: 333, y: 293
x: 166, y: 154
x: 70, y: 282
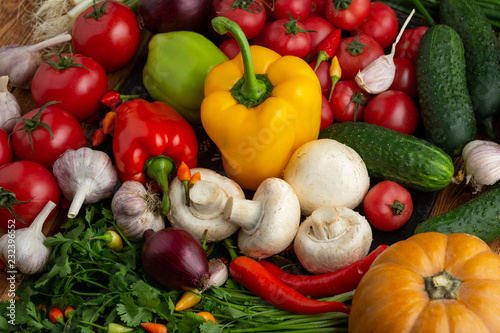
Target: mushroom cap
x: 351, y: 242
x: 181, y: 215
x: 326, y: 172
x: 279, y: 223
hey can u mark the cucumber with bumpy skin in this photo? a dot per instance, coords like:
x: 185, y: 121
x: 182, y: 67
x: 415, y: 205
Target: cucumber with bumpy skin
x: 482, y: 57
x: 446, y: 107
x: 392, y: 155
x: 479, y: 216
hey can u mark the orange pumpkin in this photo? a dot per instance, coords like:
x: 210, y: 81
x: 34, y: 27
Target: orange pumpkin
x: 428, y: 283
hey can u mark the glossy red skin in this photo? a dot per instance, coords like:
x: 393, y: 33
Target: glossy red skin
x: 318, y: 8
x: 381, y: 24
x: 277, y: 39
x: 6, y: 153
x: 340, y: 102
x: 299, y: 9
x: 78, y: 90
x: 405, y: 78
x: 350, y: 18
x: 27, y: 180
x: 260, y: 39
x: 66, y: 130
x: 230, y: 47
x: 323, y: 74
x: 144, y: 130
x: 409, y: 42
x: 326, y: 113
x: 322, y: 29
x: 379, y: 214
x: 352, y: 64
x: 393, y: 109
x: 250, y: 22
x: 112, y: 39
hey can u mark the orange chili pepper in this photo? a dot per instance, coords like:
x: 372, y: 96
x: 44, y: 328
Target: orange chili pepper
x: 207, y: 316
x: 194, y: 179
x: 154, y: 328
x: 56, y: 316
x: 67, y: 312
x: 108, y: 122
x: 184, y: 174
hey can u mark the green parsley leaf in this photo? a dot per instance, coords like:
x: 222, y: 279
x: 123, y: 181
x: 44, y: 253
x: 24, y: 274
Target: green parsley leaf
x: 132, y: 314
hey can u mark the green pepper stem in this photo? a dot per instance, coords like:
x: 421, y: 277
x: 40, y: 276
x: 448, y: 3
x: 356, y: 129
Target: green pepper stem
x: 252, y: 88
x: 160, y: 169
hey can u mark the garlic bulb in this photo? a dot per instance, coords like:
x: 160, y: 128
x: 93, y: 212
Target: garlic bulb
x: 27, y: 244
x: 378, y: 76
x: 482, y: 163
x: 85, y: 176
x: 9, y: 107
x: 136, y: 210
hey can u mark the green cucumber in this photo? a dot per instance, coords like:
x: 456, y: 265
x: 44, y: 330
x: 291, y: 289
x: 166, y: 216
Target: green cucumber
x: 446, y: 107
x: 391, y: 155
x: 479, y: 216
x: 482, y: 57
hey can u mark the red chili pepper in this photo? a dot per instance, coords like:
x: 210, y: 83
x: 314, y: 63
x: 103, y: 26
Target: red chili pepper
x: 328, y: 284
x: 154, y: 328
x: 252, y: 275
x: 111, y: 99
x: 328, y: 46
x: 56, y: 316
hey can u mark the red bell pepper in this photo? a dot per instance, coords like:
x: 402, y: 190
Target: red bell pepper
x: 153, y: 135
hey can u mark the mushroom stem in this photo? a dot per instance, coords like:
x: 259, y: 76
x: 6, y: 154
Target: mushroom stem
x: 245, y: 213
x: 207, y: 199
x: 77, y: 202
x: 326, y: 224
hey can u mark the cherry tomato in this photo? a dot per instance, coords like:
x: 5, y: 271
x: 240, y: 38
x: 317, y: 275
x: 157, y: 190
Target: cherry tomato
x: 405, y: 78
x: 318, y: 8
x: 355, y: 53
x: 250, y: 15
x: 408, y: 44
x: 348, y: 101
x: 77, y: 89
x: 32, y: 141
x: 260, y: 39
x: 320, y: 28
x: 31, y: 183
x: 110, y: 35
x: 388, y: 206
x: 288, y: 37
x: 326, y: 113
x: 323, y: 74
x: 6, y: 154
x: 299, y: 9
x: 230, y: 47
x: 393, y: 109
x: 347, y: 15
x: 381, y: 24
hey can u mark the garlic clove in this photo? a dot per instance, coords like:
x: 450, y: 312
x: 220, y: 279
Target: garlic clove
x: 378, y: 76
x: 9, y: 107
x: 482, y: 163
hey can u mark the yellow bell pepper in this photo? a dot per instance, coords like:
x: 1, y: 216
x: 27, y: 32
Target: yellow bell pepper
x: 259, y: 108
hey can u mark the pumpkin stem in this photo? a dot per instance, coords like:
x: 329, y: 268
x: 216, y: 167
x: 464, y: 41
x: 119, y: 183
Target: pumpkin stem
x: 442, y: 286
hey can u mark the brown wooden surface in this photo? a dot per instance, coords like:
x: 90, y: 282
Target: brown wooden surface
x: 14, y: 29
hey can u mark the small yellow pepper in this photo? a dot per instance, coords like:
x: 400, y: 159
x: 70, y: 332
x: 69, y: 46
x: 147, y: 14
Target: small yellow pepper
x: 335, y: 74
x: 259, y: 108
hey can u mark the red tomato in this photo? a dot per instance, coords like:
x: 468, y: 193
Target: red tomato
x: 393, y: 109
x: 381, y: 24
x: 44, y: 148
x: 298, y: 9
x: 326, y: 113
x: 260, y: 39
x: 28, y: 181
x: 288, y: 37
x: 111, y: 39
x: 323, y: 74
x: 78, y: 89
x: 355, y: 53
x: 405, y: 78
x: 249, y: 15
x: 348, y: 101
x: 230, y: 47
x: 6, y: 154
x: 347, y: 18
x: 408, y: 44
x: 318, y: 8
x: 321, y: 29
x: 388, y: 206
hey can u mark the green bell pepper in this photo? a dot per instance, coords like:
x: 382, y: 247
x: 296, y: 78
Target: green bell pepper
x: 176, y: 67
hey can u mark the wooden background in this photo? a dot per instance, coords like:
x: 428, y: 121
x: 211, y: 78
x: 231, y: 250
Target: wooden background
x: 15, y: 29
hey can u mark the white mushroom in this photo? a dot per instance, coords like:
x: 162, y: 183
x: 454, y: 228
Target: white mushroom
x: 269, y: 222
x: 332, y: 238
x: 326, y: 172
x: 204, y: 214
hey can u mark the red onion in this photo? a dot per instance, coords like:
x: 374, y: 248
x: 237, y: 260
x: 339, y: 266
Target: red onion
x: 173, y: 15
x: 175, y: 259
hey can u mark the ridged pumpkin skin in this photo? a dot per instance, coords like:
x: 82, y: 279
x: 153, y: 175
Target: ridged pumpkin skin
x: 392, y: 296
